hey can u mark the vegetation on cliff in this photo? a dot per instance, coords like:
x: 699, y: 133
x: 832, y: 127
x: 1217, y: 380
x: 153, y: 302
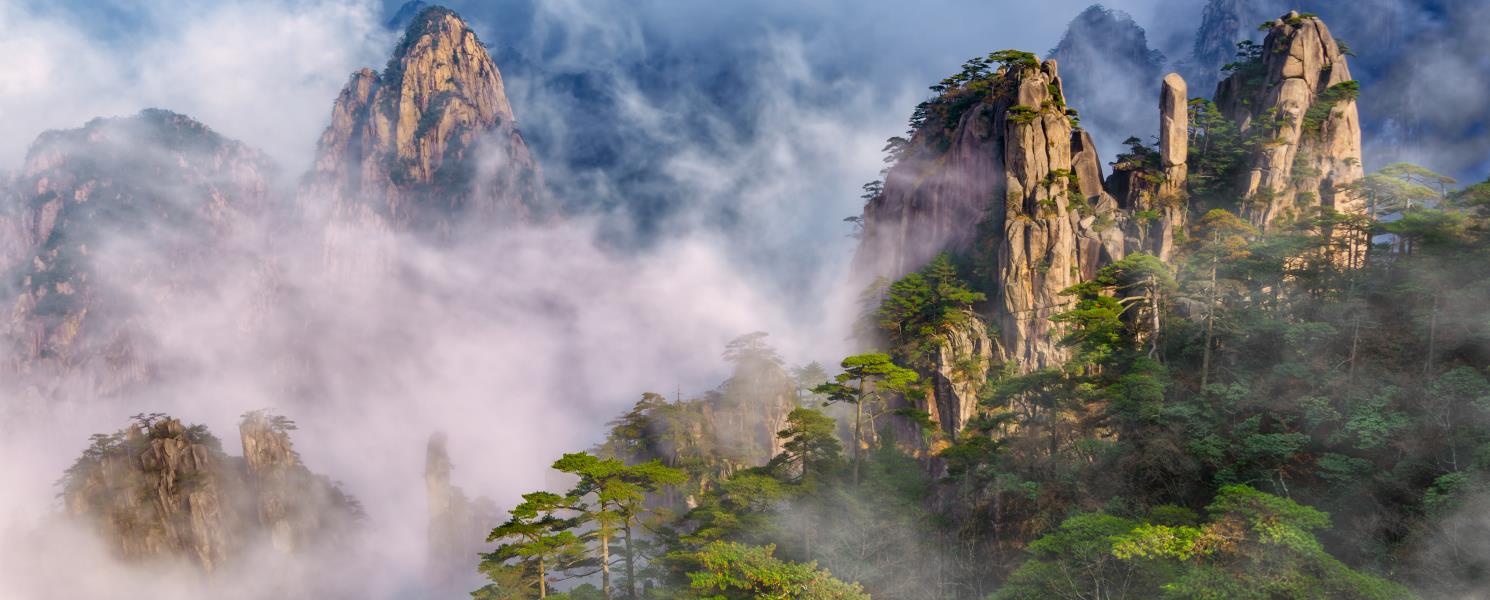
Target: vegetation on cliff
x: 1293, y: 410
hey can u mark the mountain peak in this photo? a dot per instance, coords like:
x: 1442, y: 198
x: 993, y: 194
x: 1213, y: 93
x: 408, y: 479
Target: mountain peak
x: 428, y: 144
x: 440, y: 56
x: 405, y: 15
x: 1296, y: 88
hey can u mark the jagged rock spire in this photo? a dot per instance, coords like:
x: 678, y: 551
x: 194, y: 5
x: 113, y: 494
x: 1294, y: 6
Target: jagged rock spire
x: 1222, y: 24
x: 457, y: 525
x: 1105, y: 62
x: 1174, y: 129
x: 1298, y: 91
x: 998, y: 170
x: 428, y: 146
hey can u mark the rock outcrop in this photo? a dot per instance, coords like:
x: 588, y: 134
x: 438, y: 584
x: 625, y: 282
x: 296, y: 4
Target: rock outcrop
x: 160, y: 491
x: 101, y: 217
x: 1299, y: 93
x: 157, y: 492
x: 428, y: 146
x: 997, y: 170
x: 1174, y: 133
x: 457, y: 525
x: 962, y: 361
x: 1150, y: 183
x: 297, y: 508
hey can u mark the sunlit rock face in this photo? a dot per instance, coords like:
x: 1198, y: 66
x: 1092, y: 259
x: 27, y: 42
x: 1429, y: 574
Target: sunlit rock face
x: 1153, y: 184
x: 101, y: 219
x: 159, y: 491
x: 962, y: 361
x: 999, y: 172
x: 1301, y: 95
x: 429, y: 146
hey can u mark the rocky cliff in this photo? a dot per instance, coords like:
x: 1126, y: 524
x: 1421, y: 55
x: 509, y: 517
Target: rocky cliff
x: 103, y: 215
x: 1296, y: 91
x: 161, y: 491
x: 428, y: 146
x: 996, y: 169
x: 295, y: 507
x: 961, y: 363
x: 1149, y: 183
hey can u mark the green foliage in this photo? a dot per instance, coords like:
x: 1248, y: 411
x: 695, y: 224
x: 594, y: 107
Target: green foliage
x: 866, y: 377
x: 611, y: 496
x: 1254, y: 545
x: 733, y: 570
x: 810, y: 445
x: 1022, y: 114
x: 1248, y: 66
x: 537, y: 543
x: 1079, y: 558
x: 864, y: 383
x: 1014, y: 59
x: 932, y: 121
x: 1319, y: 112
x: 922, y: 308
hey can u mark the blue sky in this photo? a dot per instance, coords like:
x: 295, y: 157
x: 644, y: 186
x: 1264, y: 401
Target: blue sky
x: 265, y: 72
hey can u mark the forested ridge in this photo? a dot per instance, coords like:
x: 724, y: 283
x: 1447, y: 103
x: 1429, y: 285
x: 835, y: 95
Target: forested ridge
x: 1293, y: 411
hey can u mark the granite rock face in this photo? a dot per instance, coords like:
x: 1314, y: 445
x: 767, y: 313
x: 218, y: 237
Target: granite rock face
x: 1150, y: 183
x: 962, y: 362
x: 428, y: 146
x: 100, y: 218
x: 1300, y: 93
x: 157, y: 492
x: 298, y: 509
x: 161, y: 491
x: 999, y: 172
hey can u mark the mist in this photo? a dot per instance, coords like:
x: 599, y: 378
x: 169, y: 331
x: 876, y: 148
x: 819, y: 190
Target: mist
x: 703, y: 158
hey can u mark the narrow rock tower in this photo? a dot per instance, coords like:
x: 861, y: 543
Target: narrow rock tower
x: 1150, y: 185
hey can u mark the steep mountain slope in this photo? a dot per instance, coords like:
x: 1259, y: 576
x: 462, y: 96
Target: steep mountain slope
x: 1223, y: 23
x: 997, y: 173
x: 148, y: 200
x: 428, y: 146
x: 995, y: 169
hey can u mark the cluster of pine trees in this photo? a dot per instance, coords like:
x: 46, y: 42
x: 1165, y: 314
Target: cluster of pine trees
x: 1297, y: 413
